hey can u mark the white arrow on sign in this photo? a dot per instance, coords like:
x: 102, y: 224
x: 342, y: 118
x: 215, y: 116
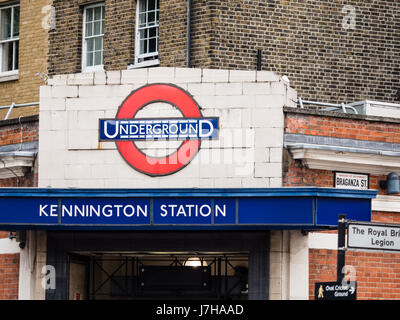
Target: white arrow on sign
x: 352, y: 289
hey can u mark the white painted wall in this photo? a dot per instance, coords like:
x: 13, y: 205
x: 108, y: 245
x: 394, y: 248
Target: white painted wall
x: 9, y: 246
x: 248, y: 103
x: 289, y: 272
x: 32, y: 260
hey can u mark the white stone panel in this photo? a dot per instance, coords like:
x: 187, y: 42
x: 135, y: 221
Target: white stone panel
x: 201, y: 89
x: 161, y: 75
x: 113, y: 77
x: 85, y: 78
x: 247, y: 154
x: 267, y: 76
x: 214, y: 75
x: 134, y: 76
x: 187, y: 75
x: 242, y: 76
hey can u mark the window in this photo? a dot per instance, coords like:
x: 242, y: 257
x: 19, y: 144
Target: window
x: 146, y: 49
x: 93, y: 38
x: 9, y: 39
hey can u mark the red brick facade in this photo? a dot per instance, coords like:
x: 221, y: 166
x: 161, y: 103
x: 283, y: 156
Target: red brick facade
x: 9, y: 274
x: 377, y: 273
x: 13, y: 132
x: 335, y: 126
x: 348, y: 128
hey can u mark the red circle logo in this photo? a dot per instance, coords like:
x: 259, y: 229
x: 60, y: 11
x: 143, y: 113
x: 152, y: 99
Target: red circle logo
x: 155, y: 166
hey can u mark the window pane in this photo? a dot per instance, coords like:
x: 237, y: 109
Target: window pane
x: 98, y: 58
x: 89, y: 29
x: 5, y: 27
x: 96, y: 29
x: 98, y: 44
x: 102, y: 12
x: 102, y: 27
x: 142, y: 5
x: 89, y: 59
x: 16, y: 44
x: 16, y: 22
x: 143, y: 34
x: 152, y: 45
x: 151, y: 18
x: 97, y: 13
x: 152, y: 5
x: 152, y: 32
x: 142, y: 20
x: 90, y: 45
x: 7, y: 53
x: 89, y: 14
x: 143, y: 46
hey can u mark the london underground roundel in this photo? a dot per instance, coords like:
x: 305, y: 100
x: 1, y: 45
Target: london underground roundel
x: 127, y: 128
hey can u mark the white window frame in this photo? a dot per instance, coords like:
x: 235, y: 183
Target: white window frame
x: 137, y: 43
x: 84, y: 42
x: 12, y: 74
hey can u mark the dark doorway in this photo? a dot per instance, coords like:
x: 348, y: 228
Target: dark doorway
x: 187, y: 275
x: 157, y: 265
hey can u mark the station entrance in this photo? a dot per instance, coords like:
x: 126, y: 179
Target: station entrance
x: 159, y: 275
x: 139, y: 265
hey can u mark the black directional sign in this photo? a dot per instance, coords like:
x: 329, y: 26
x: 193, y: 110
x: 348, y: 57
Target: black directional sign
x: 335, y: 291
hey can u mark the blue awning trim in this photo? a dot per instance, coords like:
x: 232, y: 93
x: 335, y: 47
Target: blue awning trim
x: 228, y: 192
x: 181, y: 209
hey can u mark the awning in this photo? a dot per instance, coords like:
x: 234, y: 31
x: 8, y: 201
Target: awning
x: 181, y: 209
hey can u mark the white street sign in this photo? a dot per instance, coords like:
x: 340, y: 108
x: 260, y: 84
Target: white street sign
x: 354, y: 181
x: 375, y: 237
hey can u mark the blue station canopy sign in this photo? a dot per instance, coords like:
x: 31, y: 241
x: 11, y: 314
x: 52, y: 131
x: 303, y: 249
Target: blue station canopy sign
x: 169, y: 209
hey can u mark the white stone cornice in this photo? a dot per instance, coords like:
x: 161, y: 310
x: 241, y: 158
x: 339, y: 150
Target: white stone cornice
x: 386, y: 203
x: 334, y: 160
x: 15, y: 164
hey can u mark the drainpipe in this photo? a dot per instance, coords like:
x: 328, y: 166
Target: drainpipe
x: 189, y: 10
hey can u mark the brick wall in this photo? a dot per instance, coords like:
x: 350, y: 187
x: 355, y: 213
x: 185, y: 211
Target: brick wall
x: 377, y: 274
x: 119, y: 34
x: 9, y: 275
x: 306, y: 41
x: 33, y: 49
x: 12, y: 132
x: 172, y: 33
x: 297, y: 175
x: 303, y: 40
x: 337, y: 126
x: 342, y: 127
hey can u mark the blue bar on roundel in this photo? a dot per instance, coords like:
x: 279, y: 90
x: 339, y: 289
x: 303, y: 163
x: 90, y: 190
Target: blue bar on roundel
x: 158, y: 129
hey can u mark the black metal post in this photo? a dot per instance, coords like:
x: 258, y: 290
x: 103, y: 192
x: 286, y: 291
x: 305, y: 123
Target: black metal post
x: 341, y: 253
x: 259, y: 60
x: 188, y: 35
